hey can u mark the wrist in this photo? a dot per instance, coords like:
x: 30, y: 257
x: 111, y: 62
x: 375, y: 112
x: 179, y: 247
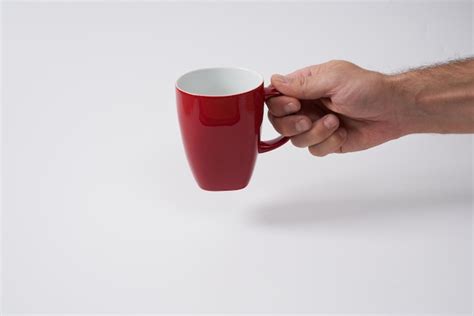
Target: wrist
x: 403, y: 94
x: 433, y: 102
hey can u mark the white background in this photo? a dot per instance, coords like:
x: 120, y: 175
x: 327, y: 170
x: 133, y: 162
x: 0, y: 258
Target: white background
x: 101, y: 213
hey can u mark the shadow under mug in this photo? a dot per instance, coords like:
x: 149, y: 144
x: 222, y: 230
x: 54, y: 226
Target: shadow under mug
x: 220, y: 112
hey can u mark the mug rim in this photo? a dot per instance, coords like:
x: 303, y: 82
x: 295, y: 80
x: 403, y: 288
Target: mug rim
x: 219, y: 95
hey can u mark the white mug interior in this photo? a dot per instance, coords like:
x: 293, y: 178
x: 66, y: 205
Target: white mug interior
x: 218, y: 82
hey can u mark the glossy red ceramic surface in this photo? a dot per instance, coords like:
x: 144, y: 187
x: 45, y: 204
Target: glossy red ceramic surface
x: 221, y: 136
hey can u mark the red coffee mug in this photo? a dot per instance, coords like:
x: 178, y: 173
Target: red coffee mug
x: 220, y: 112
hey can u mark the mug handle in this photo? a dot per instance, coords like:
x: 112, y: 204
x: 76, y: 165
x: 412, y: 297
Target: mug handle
x: 264, y: 146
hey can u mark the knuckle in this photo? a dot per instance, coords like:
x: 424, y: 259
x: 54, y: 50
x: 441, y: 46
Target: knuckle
x: 341, y: 135
x: 300, y: 82
x: 334, y: 142
x: 334, y: 62
x: 335, y: 139
x: 319, y: 132
x: 339, y: 145
x: 339, y: 62
x: 341, y: 149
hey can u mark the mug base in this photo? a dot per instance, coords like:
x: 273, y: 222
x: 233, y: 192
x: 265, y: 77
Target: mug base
x: 222, y: 188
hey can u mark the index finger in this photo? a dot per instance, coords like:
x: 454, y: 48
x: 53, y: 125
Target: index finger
x: 283, y: 105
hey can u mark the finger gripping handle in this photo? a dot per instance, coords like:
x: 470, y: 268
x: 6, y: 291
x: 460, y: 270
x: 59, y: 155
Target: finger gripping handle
x: 264, y: 146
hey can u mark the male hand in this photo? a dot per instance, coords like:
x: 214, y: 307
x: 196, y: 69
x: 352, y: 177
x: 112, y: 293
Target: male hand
x: 336, y: 107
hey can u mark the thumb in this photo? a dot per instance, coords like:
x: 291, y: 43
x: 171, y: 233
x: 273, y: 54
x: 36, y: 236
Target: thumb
x: 305, y: 84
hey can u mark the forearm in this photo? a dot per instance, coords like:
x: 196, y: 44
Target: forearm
x: 437, y: 99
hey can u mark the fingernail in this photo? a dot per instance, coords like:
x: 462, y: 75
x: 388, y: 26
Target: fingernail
x: 280, y: 78
x: 330, y: 122
x: 302, y: 125
x: 290, y: 108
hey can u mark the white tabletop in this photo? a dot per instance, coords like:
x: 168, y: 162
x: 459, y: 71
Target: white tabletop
x: 100, y: 210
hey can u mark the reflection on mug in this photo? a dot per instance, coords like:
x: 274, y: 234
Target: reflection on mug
x: 223, y: 112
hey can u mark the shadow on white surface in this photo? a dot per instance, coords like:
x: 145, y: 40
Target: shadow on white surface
x: 306, y: 211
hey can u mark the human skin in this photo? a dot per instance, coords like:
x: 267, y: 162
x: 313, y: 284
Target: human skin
x: 338, y: 107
